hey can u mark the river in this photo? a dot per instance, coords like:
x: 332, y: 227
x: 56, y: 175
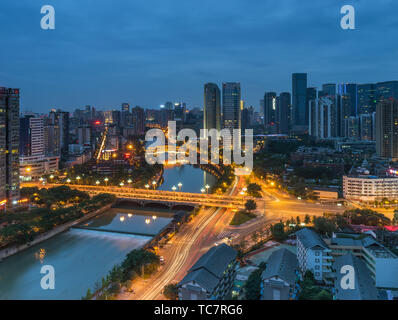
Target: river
x: 82, y: 257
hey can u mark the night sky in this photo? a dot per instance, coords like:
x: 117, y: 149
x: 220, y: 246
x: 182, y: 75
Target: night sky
x: 147, y: 52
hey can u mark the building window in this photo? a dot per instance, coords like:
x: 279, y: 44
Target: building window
x: 317, y: 253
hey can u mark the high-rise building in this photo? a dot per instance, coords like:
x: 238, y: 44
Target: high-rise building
x: 350, y: 89
x: 344, y: 112
x: 52, y: 140
x: 352, y: 128
x: 126, y: 107
x: 211, y: 107
x: 24, y: 135
x: 270, y: 112
x: 299, y: 98
x: 367, y: 96
x: 311, y: 95
x: 36, y: 125
x: 387, y: 129
x: 61, y: 118
x: 386, y: 90
x: 328, y: 89
x: 9, y: 146
x: 284, y: 112
x: 366, y: 127
x: 231, y: 107
x: 323, y: 120
x: 138, y: 116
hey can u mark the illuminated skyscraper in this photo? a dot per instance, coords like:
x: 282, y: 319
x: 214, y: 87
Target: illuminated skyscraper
x: 9, y: 146
x: 387, y: 129
x: 231, y: 95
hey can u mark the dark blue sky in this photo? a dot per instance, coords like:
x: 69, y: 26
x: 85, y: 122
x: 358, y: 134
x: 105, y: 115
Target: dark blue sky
x: 146, y: 52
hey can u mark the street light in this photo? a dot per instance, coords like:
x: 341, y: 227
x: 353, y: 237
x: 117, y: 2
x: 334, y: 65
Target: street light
x: 106, y: 181
x: 244, y: 189
x: 154, y: 184
x: 147, y: 186
x: 202, y: 190
x: 78, y: 179
x: 97, y: 182
x: 154, y: 217
x: 51, y: 177
x: 68, y: 181
x: 207, y: 188
x: 147, y: 221
x: 174, y: 188
x: 129, y: 181
x: 179, y: 186
x: 121, y: 184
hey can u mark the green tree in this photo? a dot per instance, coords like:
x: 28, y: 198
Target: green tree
x: 307, y: 219
x: 170, y: 291
x: 324, y: 226
x: 278, y: 231
x: 250, y: 205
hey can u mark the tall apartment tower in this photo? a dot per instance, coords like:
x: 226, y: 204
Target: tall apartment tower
x: 36, y: 125
x: 231, y: 107
x: 211, y: 107
x: 9, y: 146
x: 387, y: 129
x: 299, y: 98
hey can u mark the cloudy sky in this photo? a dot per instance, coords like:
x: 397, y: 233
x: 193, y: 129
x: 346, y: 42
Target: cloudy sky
x: 146, y: 52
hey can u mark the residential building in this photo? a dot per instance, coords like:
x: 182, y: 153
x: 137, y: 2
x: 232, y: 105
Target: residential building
x: 381, y: 262
x: 211, y: 277
x: 9, y: 146
x: 284, y: 112
x: 138, y: 120
x: 387, y: 129
x: 364, y: 285
x: 279, y: 277
x: 369, y: 188
x: 313, y: 254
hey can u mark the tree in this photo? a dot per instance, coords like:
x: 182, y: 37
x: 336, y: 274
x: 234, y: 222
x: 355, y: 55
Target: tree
x: 250, y: 205
x: 307, y: 219
x: 253, y: 284
x: 278, y: 231
x: 395, y: 219
x: 170, y: 291
x: 254, y: 189
x: 324, y: 226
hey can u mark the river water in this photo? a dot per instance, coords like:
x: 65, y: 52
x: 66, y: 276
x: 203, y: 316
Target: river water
x: 82, y: 257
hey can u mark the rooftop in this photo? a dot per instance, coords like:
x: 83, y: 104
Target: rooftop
x: 283, y: 264
x: 310, y: 239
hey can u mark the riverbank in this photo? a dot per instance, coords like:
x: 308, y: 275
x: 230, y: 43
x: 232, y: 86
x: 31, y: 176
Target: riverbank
x: 7, y: 252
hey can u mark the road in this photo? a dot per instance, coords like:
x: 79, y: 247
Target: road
x: 209, y: 227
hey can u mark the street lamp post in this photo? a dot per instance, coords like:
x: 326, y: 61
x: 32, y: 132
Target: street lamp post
x: 179, y: 186
x: 97, y: 182
x: 129, y: 181
x: 154, y: 184
x: 207, y: 188
x: 106, y: 181
x: 202, y: 190
x: 78, y: 179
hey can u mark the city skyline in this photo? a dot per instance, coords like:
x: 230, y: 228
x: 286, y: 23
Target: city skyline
x: 77, y: 63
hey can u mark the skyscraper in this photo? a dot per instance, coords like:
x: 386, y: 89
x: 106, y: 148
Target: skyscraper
x: 366, y: 126
x: 350, y: 89
x: 284, y: 112
x: 311, y: 95
x: 367, y: 98
x: 299, y: 92
x: 61, y: 119
x: 231, y: 107
x: 9, y: 146
x: 323, y: 120
x: 24, y: 135
x: 211, y: 107
x: 328, y: 89
x: 270, y: 112
x: 386, y: 90
x: 387, y: 129
x: 138, y: 120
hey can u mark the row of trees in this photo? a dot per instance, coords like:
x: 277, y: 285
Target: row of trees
x: 138, y: 262
x: 23, y: 227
